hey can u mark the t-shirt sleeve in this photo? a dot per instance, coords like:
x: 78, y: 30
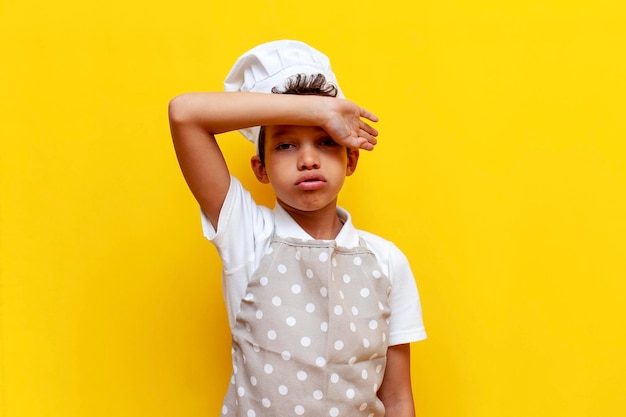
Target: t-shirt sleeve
x: 241, y: 226
x: 406, y: 324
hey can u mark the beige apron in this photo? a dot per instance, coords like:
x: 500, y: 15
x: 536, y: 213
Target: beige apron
x: 311, y: 336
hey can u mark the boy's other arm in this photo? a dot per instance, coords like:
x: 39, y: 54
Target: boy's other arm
x: 395, y: 391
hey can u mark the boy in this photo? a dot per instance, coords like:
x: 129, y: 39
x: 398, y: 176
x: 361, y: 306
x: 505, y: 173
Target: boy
x: 321, y: 313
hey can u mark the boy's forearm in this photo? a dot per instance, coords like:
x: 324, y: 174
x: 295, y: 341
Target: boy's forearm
x: 400, y: 409
x: 221, y: 112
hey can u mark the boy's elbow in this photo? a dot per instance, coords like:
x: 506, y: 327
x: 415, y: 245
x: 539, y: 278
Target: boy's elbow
x: 176, y: 110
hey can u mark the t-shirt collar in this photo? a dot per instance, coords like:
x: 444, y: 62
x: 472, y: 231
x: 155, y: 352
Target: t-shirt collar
x: 286, y: 226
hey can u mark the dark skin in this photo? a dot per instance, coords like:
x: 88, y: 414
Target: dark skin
x: 305, y: 149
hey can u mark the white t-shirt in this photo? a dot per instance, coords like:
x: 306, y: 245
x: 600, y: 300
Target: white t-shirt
x: 244, y: 233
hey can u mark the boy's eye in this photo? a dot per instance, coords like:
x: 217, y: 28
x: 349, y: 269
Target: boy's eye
x: 283, y: 146
x: 329, y: 142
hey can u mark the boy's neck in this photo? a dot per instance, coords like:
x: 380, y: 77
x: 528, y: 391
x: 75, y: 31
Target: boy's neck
x: 321, y: 224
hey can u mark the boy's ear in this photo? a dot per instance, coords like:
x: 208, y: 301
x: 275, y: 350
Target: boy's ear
x: 259, y: 169
x: 353, y: 158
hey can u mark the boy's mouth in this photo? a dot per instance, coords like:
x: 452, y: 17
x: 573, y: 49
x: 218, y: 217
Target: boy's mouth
x: 310, y: 182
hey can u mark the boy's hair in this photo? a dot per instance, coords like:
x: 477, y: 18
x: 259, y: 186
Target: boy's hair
x: 299, y: 84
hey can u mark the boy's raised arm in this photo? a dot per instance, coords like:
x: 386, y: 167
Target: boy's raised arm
x: 196, y: 118
x: 194, y: 121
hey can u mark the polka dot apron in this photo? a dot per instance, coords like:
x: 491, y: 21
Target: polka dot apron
x: 312, y: 333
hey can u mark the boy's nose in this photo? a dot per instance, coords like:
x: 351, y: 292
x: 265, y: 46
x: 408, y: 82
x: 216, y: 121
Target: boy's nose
x: 308, y: 159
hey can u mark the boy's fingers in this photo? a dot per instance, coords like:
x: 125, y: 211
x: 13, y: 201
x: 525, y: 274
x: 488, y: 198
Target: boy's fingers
x: 367, y: 146
x: 368, y: 141
x: 368, y: 115
x: 368, y: 129
x: 371, y: 139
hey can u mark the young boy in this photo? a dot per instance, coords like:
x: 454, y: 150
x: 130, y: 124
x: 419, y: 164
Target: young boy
x: 321, y: 313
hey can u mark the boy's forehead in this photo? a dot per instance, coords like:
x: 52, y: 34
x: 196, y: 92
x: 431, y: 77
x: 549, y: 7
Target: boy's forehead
x: 281, y: 131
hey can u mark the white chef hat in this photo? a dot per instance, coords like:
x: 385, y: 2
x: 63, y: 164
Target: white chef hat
x: 270, y: 64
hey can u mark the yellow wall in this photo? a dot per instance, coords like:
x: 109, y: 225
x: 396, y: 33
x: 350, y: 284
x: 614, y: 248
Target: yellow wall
x: 500, y: 173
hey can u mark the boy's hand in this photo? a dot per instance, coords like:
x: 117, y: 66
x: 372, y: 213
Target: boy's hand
x: 343, y: 120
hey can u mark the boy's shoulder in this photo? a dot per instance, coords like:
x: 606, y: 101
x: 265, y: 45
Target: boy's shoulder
x: 378, y: 244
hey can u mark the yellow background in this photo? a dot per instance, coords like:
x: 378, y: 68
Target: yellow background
x: 500, y: 172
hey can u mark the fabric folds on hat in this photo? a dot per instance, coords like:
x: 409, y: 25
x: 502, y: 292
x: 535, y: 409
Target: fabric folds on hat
x: 270, y: 64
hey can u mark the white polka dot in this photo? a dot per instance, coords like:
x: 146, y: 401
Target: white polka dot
x: 286, y: 355
x: 253, y: 380
x: 268, y: 369
x: 299, y: 410
x: 266, y: 403
x: 353, y: 327
x: 256, y: 348
x: 384, y: 337
x: 381, y: 307
x: 365, y: 292
x: 251, y: 413
x: 338, y: 345
x: 224, y: 410
x: 376, y: 274
x: 334, y: 378
x: 350, y: 393
x: 352, y: 360
x: 269, y: 250
x: 366, y: 343
x: 298, y: 255
x: 291, y: 321
x: 333, y: 412
x: 346, y: 278
x: 264, y: 281
x: 343, y: 297
x: 295, y: 288
x: 379, y: 368
x: 355, y: 311
x: 276, y: 301
x: 259, y: 314
x: 363, y: 406
x: 324, y: 326
x: 320, y: 361
x: 241, y: 391
x: 301, y: 375
x: 323, y: 291
x: 305, y: 341
x: 374, y: 356
x: 235, y: 369
x: 283, y: 390
x: 309, y: 273
x: 310, y: 308
x: 323, y: 257
x: 373, y: 324
x: 281, y: 268
x: 334, y: 261
x: 318, y: 395
x: 357, y: 261
x: 371, y: 414
x: 338, y: 310
x: 364, y: 374
x: 271, y: 335
x: 249, y: 297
